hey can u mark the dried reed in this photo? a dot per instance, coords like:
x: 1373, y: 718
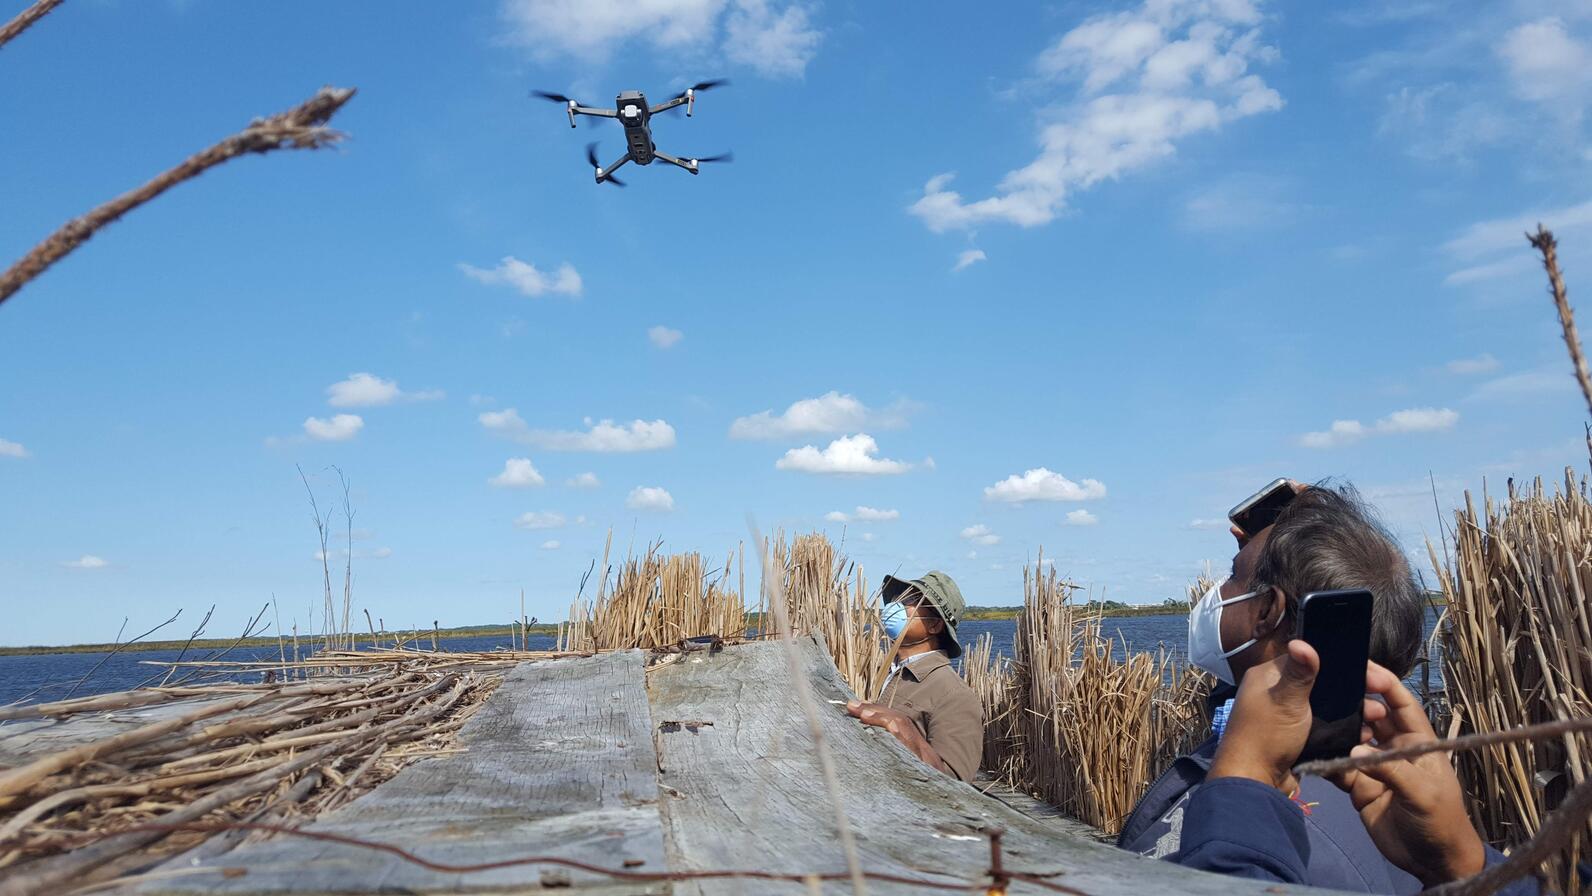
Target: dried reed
x: 1518, y: 651
x: 1071, y: 722
x: 248, y: 753
x: 656, y: 600
x: 826, y: 594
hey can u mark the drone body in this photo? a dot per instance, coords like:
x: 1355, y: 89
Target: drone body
x: 632, y: 111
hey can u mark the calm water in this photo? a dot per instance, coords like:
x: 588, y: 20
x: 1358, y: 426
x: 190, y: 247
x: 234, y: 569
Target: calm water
x: 51, y: 676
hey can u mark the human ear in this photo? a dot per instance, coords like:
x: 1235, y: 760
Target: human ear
x: 1273, y: 610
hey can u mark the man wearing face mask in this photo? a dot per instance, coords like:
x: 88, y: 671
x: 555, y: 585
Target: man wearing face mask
x: 924, y: 703
x: 1324, y: 539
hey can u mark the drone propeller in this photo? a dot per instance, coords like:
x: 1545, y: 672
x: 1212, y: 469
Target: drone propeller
x: 709, y: 85
x: 591, y: 157
x: 552, y: 97
x: 721, y: 157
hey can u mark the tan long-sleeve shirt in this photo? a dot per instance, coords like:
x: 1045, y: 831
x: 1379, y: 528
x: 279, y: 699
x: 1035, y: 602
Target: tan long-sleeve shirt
x: 946, y: 711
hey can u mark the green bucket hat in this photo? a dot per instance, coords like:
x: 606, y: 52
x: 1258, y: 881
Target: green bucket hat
x: 939, y: 590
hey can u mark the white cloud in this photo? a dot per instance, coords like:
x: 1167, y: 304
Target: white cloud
x: 1142, y: 79
x: 525, y: 277
x: 867, y: 536
x: 9, y: 448
x: 1483, y: 363
x: 381, y: 553
x: 775, y: 39
x: 969, y: 257
x: 363, y: 390
x: 1343, y: 432
x: 583, y: 480
x: 863, y: 515
x: 829, y: 413
x: 479, y: 400
x: 550, y: 545
x: 87, y: 561
x: 649, y: 497
x: 603, y: 436
x: 1508, y: 234
x: 339, y: 428
x: 1205, y: 524
x: 980, y: 534
x: 1080, y: 517
x: 518, y: 472
x: 848, y: 455
x: 1526, y: 383
x: 539, y: 519
x: 664, y: 337
x: 1042, y: 484
x: 1546, y: 63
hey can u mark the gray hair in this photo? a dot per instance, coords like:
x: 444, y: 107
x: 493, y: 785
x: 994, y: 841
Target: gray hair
x: 1326, y: 539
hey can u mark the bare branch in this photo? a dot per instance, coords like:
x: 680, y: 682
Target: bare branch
x: 25, y: 19
x: 1544, y: 242
x: 303, y: 127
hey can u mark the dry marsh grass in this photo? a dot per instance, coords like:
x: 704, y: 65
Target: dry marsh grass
x: 1071, y: 721
x: 657, y: 600
x: 1518, y: 651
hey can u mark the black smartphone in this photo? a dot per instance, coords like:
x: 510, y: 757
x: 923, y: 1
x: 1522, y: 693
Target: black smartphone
x: 1338, y: 625
x: 1260, y: 510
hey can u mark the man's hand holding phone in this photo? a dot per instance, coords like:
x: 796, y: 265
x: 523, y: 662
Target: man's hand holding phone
x: 1413, y: 809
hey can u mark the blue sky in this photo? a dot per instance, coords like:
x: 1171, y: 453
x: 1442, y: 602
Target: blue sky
x: 1076, y: 276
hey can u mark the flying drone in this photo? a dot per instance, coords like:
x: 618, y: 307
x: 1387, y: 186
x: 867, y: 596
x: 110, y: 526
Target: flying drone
x: 634, y: 113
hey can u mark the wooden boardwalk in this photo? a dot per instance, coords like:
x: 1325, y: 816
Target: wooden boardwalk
x: 703, y: 763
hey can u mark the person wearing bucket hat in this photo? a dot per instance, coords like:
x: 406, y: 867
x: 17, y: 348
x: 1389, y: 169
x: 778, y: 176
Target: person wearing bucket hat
x: 924, y: 703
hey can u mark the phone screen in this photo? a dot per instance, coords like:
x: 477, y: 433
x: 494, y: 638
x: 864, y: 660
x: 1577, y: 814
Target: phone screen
x: 1261, y: 509
x: 1338, y: 625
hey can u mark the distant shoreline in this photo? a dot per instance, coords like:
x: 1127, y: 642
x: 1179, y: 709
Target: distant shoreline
x: 307, y: 643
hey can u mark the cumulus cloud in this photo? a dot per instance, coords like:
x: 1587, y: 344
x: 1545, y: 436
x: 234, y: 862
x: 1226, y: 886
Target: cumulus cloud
x: 364, y: 390
x: 848, y: 455
x: 1080, y: 517
x: 1141, y: 81
x: 1042, y: 484
x: 649, y: 497
x: 9, y: 448
x: 1546, y: 63
x: 87, y: 561
x: 518, y: 472
x: 1343, y: 432
x: 775, y: 38
x: 863, y: 515
x: 664, y: 337
x: 339, y: 428
x: 550, y: 545
x: 980, y: 534
x: 969, y: 257
x: 603, y: 436
x: 526, y: 278
x: 583, y: 480
x: 827, y: 414
x: 1483, y: 363
x: 539, y: 519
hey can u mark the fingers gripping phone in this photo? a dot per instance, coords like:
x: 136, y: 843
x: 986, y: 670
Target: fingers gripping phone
x: 1260, y: 510
x: 1338, y: 625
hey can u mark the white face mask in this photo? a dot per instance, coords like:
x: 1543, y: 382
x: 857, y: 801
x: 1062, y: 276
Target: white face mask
x: 1205, y: 633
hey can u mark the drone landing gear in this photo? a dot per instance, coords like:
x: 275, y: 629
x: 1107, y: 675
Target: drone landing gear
x: 605, y: 174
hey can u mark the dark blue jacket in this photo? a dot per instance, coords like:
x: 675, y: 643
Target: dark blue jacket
x: 1272, y: 842
x: 1340, y: 856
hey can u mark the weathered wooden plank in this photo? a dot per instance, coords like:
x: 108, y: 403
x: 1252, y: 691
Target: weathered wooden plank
x: 559, y: 762
x: 746, y: 792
